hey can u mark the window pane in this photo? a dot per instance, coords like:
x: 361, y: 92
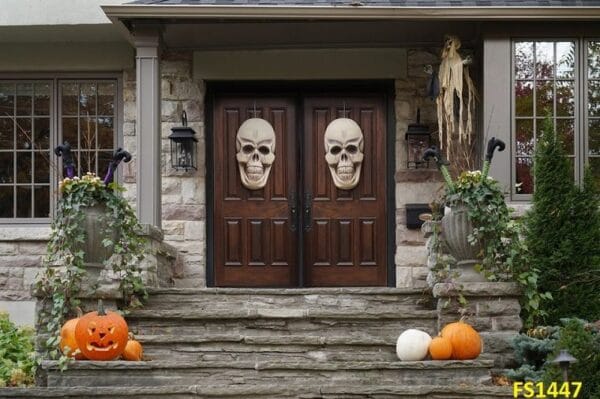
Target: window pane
x: 565, y: 98
x: 6, y: 167
x: 544, y: 98
x: 103, y: 161
x: 24, y: 135
x: 23, y: 202
x: 42, y: 167
x: 69, y: 98
x: 87, y: 99
x: 41, y: 102
x: 7, y: 135
x: 7, y: 202
x: 87, y: 132
x: 24, y: 167
x: 524, y: 98
x: 42, y: 201
x: 525, y: 142
x: 88, y: 162
x: 594, y: 60
x: 7, y: 99
x: 565, y: 60
x: 594, y: 163
x: 69, y: 132
x: 594, y: 97
x: 524, y: 60
x: 594, y: 137
x: 544, y: 66
x: 106, y: 98
x: 566, y: 130
x: 41, y: 127
x: 24, y: 98
x: 106, y: 133
x: 524, y: 183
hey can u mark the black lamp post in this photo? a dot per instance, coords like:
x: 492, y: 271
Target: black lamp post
x: 417, y: 140
x: 564, y: 359
x: 183, y: 146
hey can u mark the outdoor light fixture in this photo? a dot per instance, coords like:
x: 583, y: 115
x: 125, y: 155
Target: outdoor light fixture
x: 417, y: 139
x: 564, y: 359
x: 183, y: 146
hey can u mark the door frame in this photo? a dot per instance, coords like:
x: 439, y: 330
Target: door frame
x: 296, y: 89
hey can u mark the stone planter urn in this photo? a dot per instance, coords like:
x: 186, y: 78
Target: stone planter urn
x: 94, y: 252
x: 456, y: 228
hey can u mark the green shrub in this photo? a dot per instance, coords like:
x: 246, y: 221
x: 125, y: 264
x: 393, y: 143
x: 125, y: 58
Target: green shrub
x: 562, y: 234
x: 531, y: 352
x: 17, y: 354
x: 582, y: 340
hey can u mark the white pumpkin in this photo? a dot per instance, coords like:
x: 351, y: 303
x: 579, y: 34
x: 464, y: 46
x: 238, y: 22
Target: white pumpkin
x: 412, y: 345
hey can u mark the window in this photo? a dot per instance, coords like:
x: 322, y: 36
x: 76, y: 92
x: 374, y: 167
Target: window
x: 36, y: 115
x: 547, y: 76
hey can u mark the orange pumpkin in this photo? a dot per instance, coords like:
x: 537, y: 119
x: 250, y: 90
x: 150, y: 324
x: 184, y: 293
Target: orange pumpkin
x: 101, y: 335
x: 466, y: 342
x: 133, y: 349
x: 440, y: 348
x: 67, y: 338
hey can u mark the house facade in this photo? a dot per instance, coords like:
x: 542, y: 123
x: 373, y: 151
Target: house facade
x: 114, y: 75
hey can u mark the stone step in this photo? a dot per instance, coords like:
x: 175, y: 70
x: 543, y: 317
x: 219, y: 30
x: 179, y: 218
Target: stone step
x: 352, y: 298
x: 231, y: 347
x: 301, y: 373
x: 280, y: 391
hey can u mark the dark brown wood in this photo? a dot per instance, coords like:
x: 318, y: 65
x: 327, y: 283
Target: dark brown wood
x: 346, y: 244
x: 253, y: 244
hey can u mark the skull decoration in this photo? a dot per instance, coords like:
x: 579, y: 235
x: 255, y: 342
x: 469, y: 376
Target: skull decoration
x: 344, y: 144
x: 255, y: 145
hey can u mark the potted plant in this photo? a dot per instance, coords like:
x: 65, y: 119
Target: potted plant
x: 476, y: 213
x: 95, y: 230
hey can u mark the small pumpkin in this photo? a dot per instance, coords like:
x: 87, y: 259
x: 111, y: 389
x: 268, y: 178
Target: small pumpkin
x: 67, y: 338
x: 133, y: 349
x: 440, y: 348
x: 101, y: 335
x: 412, y: 345
x: 466, y: 342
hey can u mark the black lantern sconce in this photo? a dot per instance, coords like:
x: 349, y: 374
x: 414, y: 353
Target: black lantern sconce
x: 417, y: 140
x: 183, y: 146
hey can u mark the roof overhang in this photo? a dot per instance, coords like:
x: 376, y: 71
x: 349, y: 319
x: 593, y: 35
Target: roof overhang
x: 277, y: 12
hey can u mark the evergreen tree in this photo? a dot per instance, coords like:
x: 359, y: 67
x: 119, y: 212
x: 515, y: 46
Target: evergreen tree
x: 563, y: 233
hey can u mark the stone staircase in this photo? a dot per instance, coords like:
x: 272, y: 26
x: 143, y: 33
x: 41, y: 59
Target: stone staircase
x: 262, y: 343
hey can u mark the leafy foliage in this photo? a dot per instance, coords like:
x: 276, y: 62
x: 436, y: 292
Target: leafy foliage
x: 504, y: 255
x: 17, y: 354
x: 563, y: 232
x: 65, y: 269
x: 531, y: 352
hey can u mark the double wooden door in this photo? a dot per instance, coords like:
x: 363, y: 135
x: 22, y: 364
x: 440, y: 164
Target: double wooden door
x: 300, y: 229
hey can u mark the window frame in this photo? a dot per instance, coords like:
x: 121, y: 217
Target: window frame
x: 584, y: 89
x: 55, y: 78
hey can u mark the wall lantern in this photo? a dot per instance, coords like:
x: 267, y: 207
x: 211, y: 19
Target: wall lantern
x: 417, y: 140
x: 183, y: 146
x: 564, y: 359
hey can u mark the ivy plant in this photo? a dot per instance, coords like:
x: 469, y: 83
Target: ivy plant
x: 17, y: 355
x: 61, y: 280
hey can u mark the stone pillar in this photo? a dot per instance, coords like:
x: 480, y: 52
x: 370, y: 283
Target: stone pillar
x: 493, y: 310
x: 147, y: 45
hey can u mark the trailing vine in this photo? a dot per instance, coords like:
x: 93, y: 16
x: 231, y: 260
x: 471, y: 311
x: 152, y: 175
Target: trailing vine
x: 61, y: 280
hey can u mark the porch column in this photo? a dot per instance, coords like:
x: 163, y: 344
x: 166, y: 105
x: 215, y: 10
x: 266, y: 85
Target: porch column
x: 147, y: 45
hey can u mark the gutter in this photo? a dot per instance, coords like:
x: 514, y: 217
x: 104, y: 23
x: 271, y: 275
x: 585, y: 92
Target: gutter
x: 347, y: 13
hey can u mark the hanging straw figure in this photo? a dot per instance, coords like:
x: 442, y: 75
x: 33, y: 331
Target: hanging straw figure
x: 453, y: 74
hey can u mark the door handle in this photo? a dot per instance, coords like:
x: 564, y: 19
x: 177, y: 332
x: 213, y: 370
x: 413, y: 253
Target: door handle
x: 293, y: 207
x: 307, y: 212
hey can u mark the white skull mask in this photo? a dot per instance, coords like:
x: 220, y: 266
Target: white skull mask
x: 344, y: 144
x: 255, y: 145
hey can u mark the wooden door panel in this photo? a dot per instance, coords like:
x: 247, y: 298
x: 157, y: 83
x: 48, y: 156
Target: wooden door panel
x: 346, y: 242
x: 253, y: 243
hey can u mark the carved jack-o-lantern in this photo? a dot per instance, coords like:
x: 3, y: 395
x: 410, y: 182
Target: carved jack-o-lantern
x: 344, y: 143
x: 255, y: 145
x: 101, y: 335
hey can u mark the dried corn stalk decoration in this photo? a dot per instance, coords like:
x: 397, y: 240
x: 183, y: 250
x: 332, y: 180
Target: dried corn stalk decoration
x: 453, y: 75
